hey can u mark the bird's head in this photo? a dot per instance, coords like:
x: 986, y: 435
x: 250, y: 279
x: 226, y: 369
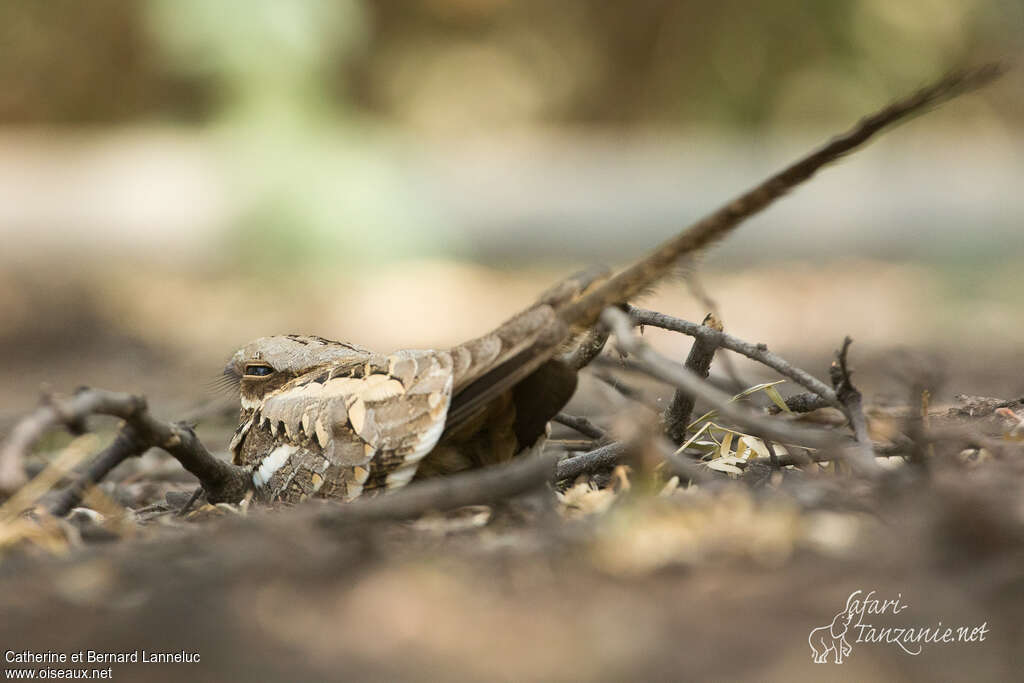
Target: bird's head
x: 266, y: 364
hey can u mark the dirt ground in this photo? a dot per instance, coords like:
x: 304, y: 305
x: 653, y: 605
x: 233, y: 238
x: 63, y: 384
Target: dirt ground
x: 723, y: 584
x: 639, y: 581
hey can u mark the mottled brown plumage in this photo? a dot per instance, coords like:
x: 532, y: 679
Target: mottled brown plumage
x: 332, y: 419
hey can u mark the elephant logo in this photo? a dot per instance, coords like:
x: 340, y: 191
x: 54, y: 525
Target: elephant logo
x: 832, y: 638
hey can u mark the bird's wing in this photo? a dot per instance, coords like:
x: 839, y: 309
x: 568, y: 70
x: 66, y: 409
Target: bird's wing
x: 487, y: 367
x: 363, y: 429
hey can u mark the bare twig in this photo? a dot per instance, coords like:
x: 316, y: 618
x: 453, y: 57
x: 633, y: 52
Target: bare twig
x: 573, y: 444
x: 686, y: 468
x: 127, y: 444
x: 677, y: 416
x: 27, y: 432
x: 757, y: 352
x: 808, y: 457
x: 850, y: 397
x: 196, y: 495
x: 667, y: 371
x: 222, y: 481
x: 480, y: 487
x: 624, y: 389
x: 697, y: 289
x: 773, y: 457
x: 581, y: 425
x: 613, y: 454
x: 605, y: 456
x: 802, y: 403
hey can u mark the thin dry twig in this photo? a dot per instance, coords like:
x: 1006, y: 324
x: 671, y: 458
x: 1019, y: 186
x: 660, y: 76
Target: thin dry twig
x: 613, y: 454
x: 677, y: 416
x: 802, y: 403
x: 581, y: 425
x: 809, y: 457
x: 27, y: 432
x: 851, y: 399
x: 127, y: 444
x: 486, y: 486
x: 757, y: 352
x: 605, y: 456
x: 624, y: 389
x: 662, y: 368
x: 573, y: 444
x: 222, y: 481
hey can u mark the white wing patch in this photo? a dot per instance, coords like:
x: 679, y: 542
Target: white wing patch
x: 272, y: 463
x: 400, y: 477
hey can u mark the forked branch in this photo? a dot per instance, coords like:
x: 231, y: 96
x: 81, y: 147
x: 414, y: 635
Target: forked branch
x: 222, y: 481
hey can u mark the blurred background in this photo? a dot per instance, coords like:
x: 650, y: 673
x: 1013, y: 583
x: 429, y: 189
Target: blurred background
x: 180, y: 176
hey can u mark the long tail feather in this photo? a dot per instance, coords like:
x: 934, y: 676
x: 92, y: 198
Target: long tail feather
x: 628, y: 283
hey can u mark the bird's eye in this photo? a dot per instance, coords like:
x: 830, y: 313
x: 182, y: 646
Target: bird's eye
x: 258, y: 370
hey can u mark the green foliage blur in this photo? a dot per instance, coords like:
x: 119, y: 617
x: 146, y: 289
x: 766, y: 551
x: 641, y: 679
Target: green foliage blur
x: 310, y: 102
x: 731, y: 62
